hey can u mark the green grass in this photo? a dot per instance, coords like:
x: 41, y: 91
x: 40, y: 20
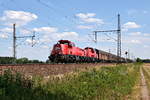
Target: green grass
x: 107, y: 83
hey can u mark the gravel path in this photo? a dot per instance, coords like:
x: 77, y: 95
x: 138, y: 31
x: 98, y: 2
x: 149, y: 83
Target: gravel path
x: 144, y: 89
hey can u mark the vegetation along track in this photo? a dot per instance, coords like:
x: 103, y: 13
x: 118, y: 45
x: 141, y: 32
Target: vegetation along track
x: 104, y: 83
x: 48, y: 69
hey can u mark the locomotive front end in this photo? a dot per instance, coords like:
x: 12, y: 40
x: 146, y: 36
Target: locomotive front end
x: 59, y: 51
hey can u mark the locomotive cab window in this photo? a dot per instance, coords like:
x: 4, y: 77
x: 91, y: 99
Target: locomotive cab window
x: 67, y: 43
x: 63, y: 42
x: 72, y: 44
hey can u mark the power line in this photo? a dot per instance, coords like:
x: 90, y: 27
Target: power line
x: 54, y: 10
x: 17, y: 37
x: 110, y: 37
x: 118, y: 38
x: 46, y: 5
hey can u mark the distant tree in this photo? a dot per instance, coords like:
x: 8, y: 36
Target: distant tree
x: 22, y: 61
x: 6, y: 60
x: 138, y: 60
x: 36, y: 61
x: 11, y: 60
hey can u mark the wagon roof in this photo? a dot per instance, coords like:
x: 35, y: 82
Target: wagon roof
x: 104, y: 52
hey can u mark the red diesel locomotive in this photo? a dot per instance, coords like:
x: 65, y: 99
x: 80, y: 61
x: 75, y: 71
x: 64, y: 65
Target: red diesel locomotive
x: 65, y: 51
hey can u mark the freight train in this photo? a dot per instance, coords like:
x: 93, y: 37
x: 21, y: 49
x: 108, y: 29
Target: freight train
x: 65, y: 51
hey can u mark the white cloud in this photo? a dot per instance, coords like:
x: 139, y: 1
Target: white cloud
x: 4, y: 36
x: 45, y: 47
x: 135, y: 33
x: 25, y: 32
x: 46, y: 29
x: 51, y: 34
x: 135, y: 41
x: 57, y: 36
x: 19, y: 17
x: 10, y: 48
x: 132, y: 12
x: 124, y: 29
x: 84, y: 27
x: 89, y: 18
x: 146, y: 46
x: 70, y: 35
x: 47, y: 39
x: 146, y: 34
x: 30, y: 41
x: 130, y: 25
x: 145, y: 12
x: 85, y: 15
x: 6, y: 30
x: 142, y: 35
x: 94, y: 20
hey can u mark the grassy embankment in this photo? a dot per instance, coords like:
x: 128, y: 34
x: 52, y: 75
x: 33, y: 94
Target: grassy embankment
x: 106, y: 83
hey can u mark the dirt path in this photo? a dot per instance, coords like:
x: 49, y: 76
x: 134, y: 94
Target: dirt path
x: 144, y: 89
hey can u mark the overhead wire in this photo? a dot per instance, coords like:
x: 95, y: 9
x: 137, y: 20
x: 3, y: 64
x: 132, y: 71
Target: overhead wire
x: 39, y: 20
x: 48, y: 6
x: 110, y: 37
x: 13, y: 1
x: 66, y: 17
x: 51, y: 8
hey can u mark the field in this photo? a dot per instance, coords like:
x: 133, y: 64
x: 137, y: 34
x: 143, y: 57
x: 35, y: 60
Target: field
x: 48, y: 69
x: 104, y: 83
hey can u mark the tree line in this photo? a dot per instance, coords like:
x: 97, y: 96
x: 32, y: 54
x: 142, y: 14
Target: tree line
x: 11, y: 60
x: 143, y: 60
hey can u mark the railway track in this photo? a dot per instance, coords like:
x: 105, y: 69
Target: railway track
x: 48, y: 69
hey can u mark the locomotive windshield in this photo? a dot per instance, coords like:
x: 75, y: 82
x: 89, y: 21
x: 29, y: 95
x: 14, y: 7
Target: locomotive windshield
x: 66, y: 42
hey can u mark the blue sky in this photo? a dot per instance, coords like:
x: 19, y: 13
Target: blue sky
x: 74, y: 20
